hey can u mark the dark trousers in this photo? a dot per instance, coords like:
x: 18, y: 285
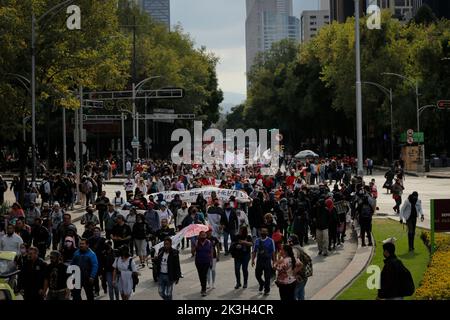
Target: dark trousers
x: 88, y: 198
x: 202, y: 269
x: 287, y: 291
x: 88, y: 290
x: 55, y: 239
x: 366, y: 228
x: 398, y: 202
x: 238, y: 263
x: 42, y: 250
x: 101, y: 217
x: 332, y: 235
x: 265, y: 267
x: 411, y: 224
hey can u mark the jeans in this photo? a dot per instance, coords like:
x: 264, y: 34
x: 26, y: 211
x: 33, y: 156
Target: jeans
x: 212, y: 272
x: 165, y: 288
x: 112, y: 291
x: 300, y: 289
x: 88, y: 290
x: 88, y: 199
x: 202, y: 269
x: 56, y: 295
x: 226, y: 235
x: 264, y: 266
x: 238, y: 262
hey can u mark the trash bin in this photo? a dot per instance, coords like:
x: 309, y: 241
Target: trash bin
x: 427, y: 165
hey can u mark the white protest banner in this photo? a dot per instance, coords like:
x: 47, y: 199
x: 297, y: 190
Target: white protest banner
x: 191, y: 195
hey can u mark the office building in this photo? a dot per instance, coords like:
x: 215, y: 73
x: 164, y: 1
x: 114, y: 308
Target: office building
x: 268, y: 21
x: 311, y: 21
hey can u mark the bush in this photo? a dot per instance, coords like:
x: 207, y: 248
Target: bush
x: 435, y: 284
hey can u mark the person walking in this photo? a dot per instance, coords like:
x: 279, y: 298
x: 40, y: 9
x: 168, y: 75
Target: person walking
x: 397, y: 191
x: 10, y: 241
x: 32, y: 276
x: 140, y: 233
x: 55, y: 280
x: 3, y: 189
x: 306, y: 271
x: 87, y: 261
x: 322, y: 221
x: 168, y: 268
x: 264, y: 253
x: 410, y: 211
x: 203, y: 251
x: 40, y: 236
x: 216, y: 258
x: 182, y: 213
x: 90, y: 217
x: 110, y: 219
x: 396, y: 281
x: 107, y: 263
x: 121, y: 233
x: 241, y: 252
x: 365, y: 212
x: 229, y: 223
x: 56, y: 218
x: 287, y: 266
x: 101, y: 204
x: 124, y: 267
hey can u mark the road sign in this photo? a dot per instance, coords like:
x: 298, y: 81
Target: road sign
x: 440, y: 218
x: 418, y: 137
x: 107, y: 117
x: 135, y: 143
x: 156, y: 110
x: 410, y: 132
x: 169, y: 93
x: 410, y: 140
x: 162, y: 116
x: 443, y: 104
x: 148, y: 141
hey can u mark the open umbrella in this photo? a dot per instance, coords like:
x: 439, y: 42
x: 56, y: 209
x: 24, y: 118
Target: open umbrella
x: 306, y: 154
x: 193, y: 230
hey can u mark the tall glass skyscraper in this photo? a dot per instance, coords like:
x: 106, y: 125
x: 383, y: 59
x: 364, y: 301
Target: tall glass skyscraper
x: 268, y: 21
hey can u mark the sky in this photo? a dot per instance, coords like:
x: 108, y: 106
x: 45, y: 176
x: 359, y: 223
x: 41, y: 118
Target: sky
x: 220, y: 26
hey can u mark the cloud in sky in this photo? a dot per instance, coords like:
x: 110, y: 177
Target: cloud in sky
x: 220, y: 26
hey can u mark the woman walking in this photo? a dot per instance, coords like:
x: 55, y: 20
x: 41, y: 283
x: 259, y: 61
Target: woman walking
x: 409, y: 213
x: 288, y: 267
x: 124, y: 267
x: 216, y: 257
x: 203, y: 259
x: 241, y: 252
x: 140, y: 233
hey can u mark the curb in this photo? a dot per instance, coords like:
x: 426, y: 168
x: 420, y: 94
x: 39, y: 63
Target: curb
x: 432, y: 176
x: 360, y: 260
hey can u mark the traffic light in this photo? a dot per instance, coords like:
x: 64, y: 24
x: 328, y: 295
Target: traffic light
x: 443, y: 104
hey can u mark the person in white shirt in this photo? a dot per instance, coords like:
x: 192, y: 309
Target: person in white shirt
x: 129, y: 187
x: 118, y: 200
x: 165, y: 213
x: 128, y: 167
x: 10, y: 241
x: 182, y: 213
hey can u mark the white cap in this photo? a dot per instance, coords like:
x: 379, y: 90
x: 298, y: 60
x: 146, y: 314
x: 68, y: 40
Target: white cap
x: 391, y: 240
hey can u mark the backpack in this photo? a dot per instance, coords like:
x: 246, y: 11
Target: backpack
x: 307, y: 270
x: 261, y: 251
x: 406, y: 282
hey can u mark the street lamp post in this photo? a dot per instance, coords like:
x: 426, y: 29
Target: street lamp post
x: 359, y: 136
x: 34, y: 22
x: 388, y: 92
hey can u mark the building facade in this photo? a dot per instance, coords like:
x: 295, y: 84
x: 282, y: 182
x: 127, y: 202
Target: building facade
x: 159, y: 10
x: 311, y: 21
x: 267, y: 22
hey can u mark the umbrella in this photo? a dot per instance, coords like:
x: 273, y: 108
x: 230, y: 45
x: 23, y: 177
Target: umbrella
x: 193, y: 230
x: 306, y: 154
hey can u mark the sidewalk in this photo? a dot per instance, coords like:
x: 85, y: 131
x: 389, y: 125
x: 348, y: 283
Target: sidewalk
x: 435, y: 173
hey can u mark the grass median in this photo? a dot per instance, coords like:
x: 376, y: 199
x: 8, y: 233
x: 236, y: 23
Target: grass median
x: 416, y: 261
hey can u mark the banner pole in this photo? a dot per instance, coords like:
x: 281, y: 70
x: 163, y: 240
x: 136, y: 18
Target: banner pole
x: 432, y: 214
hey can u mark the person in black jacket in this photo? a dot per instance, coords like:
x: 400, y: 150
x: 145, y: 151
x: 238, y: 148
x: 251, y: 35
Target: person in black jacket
x: 40, y: 236
x: 140, y: 233
x: 391, y: 279
x: 229, y: 222
x: 32, y: 276
x: 322, y: 221
x: 168, y: 268
x: 255, y: 216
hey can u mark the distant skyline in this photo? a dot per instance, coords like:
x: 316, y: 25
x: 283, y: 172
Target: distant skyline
x: 220, y: 26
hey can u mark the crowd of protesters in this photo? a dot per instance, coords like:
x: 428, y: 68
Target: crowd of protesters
x: 304, y: 201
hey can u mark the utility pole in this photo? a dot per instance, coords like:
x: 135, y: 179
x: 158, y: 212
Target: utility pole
x: 359, y: 135
x: 64, y: 140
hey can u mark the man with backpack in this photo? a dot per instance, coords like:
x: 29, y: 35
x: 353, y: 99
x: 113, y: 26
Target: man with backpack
x: 45, y: 190
x: 307, y: 270
x: 264, y: 253
x: 396, y: 281
x: 365, y: 212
